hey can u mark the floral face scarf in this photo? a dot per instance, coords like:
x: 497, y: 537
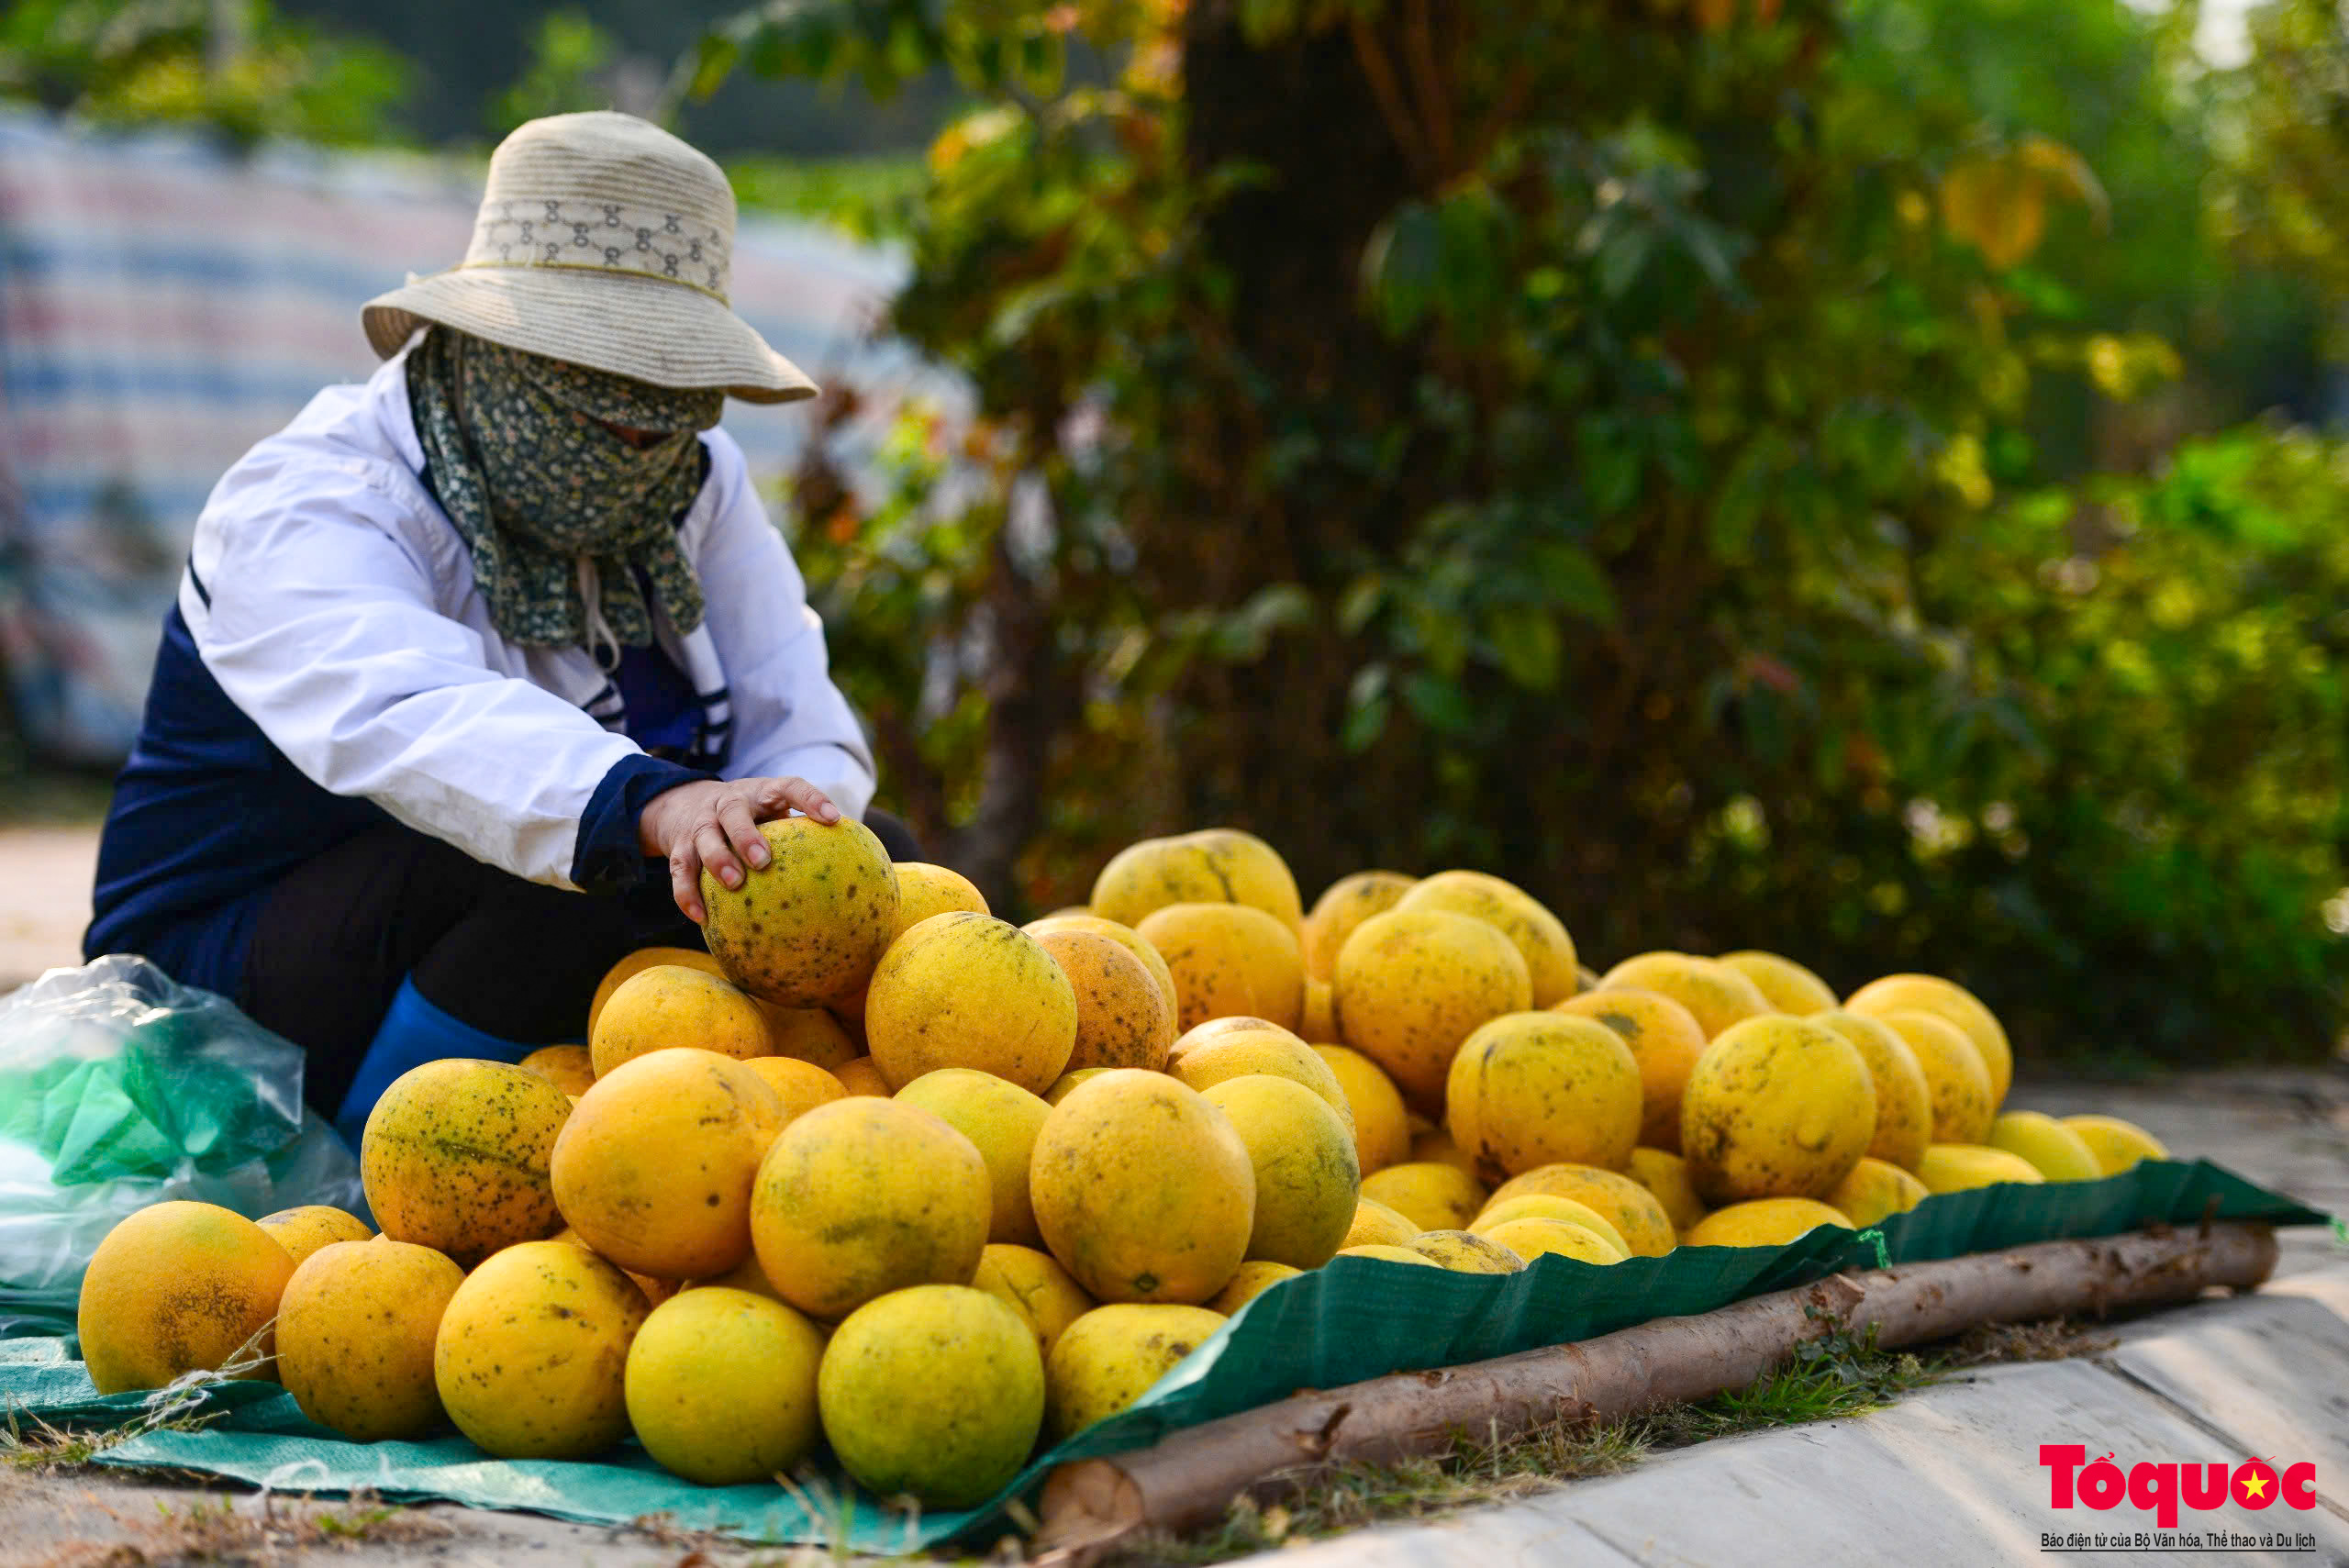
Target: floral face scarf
x: 561, y: 513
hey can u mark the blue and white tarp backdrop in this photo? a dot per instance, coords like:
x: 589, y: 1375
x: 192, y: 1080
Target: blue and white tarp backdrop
x: 165, y: 303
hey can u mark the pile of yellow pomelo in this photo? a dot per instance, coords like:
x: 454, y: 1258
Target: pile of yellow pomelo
x: 884, y: 1173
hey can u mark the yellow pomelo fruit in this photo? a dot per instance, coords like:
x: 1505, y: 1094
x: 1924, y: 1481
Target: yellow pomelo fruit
x: 720, y: 1386
x: 654, y: 1168
x: 1953, y: 1167
x: 531, y: 1359
x: 1430, y: 1194
x: 798, y: 1086
x: 1787, y: 986
x: 454, y: 1157
x: 669, y: 1004
x: 1714, y: 993
x: 1143, y: 1190
x: 744, y: 1276
x: 1763, y: 1222
x: 1464, y: 1253
x: 1066, y: 1081
x: 637, y: 963
x: 1538, y: 936
x: 1958, y: 1084
x: 1432, y: 1143
x: 1001, y: 1119
x: 1255, y: 1276
x: 1033, y: 1284
x: 964, y: 990
x: 2054, y: 1150
x: 1547, y: 1205
x: 1306, y: 1175
x: 1382, y: 1126
x: 1124, y: 1018
x: 1948, y: 1000
x: 863, y: 1197
x: 1317, y: 1018
x: 355, y: 1331
x: 302, y: 1231
x: 1904, y: 1096
x: 807, y: 928
x: 1630, y: 1207
x: 1666, y: 1041
x: 808, y: 1034
x: 1544, y: 1088
x: 1777, y: 1107
x: 1531, y: 1237
x: 1125, y: 936
x: 177, y: 1287
x: 1665, y: 1175
x: 849, y: 1013
x: 1874, y: 1190
x: 1377, y: 1224
x: 1393, y: 1253
x: 1218, y: 865
x: 1343, y: 904
x: 1108, y: 1358
x: 934, y: 1393
x: 861, y: 1077
x: 1224, y: 1049
x: 2117, y: 1144
x: 1228, y: 960
x: 570, y: 1068
x: 1412, y: 983
x: 924, y: 890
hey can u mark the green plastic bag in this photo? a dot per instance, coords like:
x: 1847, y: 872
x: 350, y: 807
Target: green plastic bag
x: 1356, y: 1319
x: 120, y: 1088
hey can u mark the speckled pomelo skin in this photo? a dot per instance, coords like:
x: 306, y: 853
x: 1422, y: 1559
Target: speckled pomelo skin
x: 866, y: 1195
x: 531, y: 1359
x: 807, y: 928
x: 1382, y: 1122
x: 1954, y: 1167
x: 1223, y: 1048
x: 1763, y: 1222
x: 669, y: 1004
x: 1666, y: 1040
x: 1228, y: 959
x: 1464, y: 1253
x: 1875, y: 1190
x: 1411, y: 985
x: 1308, y: 1177
x: 1001, y: 1119
x: 355, y: 1331
x: 1531, y: 1235
x: 1665, y: 1174
x: 1126, y: 937
x: 721, y: 1386
x: 1032, y: 1284
x: 455, y: 1156
x: 1433, y: 1194
x: 302, y: 1231
x: 176, y: 1287
x: 1377, y: 1224
x: 1636, y: 1213
x: 1216, y: 865
x: 1343, y: 904
x: 1142, y: 1189
x: 1124, y: 1017
x: 1949, y: 1000
x: 1904, y: 1098
x: 1784, y: 984
x: 1964, y: 1099
x: 1108, y: 1358
x: 968, y: 990
x: 1548, y: 1206
x: 935, y: 1393
x: 1716, y: 995
x: 1544, y: 1088
x: 1538, y: 936
x: 1777, y: 1107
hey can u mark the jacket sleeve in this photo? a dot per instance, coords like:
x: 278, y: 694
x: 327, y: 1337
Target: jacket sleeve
x: 319, y: 619
x: 789, y: 718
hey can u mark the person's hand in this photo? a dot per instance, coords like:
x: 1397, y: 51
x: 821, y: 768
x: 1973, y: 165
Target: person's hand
x: 713, y: 824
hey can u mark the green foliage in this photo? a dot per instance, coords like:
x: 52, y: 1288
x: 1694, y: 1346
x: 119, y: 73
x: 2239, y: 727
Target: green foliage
x: 1599, y: 446
x: 569, y: 58
x: 235, y: 68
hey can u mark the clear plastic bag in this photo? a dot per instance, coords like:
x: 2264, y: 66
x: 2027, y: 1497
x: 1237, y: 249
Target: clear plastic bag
x: 120, y: 1087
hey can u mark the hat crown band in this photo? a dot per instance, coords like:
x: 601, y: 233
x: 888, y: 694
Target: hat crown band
x: 666, y: 243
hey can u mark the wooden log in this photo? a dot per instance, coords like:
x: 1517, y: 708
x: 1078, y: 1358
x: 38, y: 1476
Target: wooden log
x: 1191, y: 1477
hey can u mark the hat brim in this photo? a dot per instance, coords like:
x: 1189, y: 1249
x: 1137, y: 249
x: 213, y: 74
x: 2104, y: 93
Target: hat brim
x: 642, y: 328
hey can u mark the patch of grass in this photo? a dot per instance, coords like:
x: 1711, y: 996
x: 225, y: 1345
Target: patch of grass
x: 258, y: 1533
x: 42, y: 1447
x: 1836, y: 1376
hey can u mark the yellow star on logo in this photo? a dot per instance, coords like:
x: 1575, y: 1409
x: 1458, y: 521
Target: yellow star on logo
x: 2255, y: 1485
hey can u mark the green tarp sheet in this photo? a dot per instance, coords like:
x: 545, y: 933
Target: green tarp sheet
x: 1357, y: 1319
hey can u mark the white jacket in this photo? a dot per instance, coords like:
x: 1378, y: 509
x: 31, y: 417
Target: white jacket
x: 334, y: 602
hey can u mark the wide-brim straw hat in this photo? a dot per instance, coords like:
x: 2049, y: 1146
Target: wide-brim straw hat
x: 603, y: 241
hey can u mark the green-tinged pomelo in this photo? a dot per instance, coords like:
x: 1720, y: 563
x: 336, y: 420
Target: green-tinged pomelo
x: 1308, y: 1177
x: 455, y: 1157
x: 934, y: 1393
x: 355, y: 1332
x: 721, y: 1386
x: 1108, y: 1358
x: 806, y: 929
x: 968, y: 990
